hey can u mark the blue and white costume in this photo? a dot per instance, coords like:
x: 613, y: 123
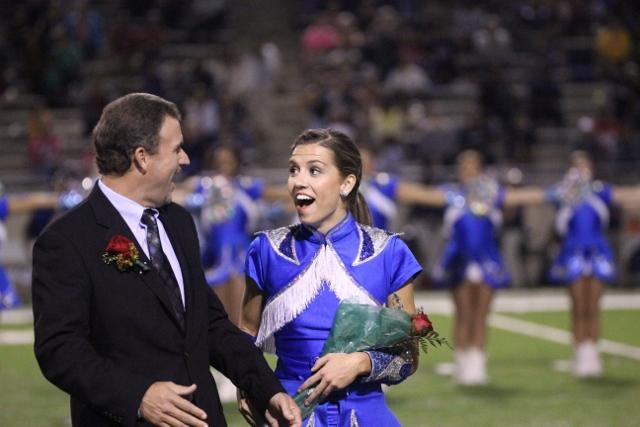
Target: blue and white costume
x: 380, y: 194
x: 228, y: 212
x: 8, y: 296
x: 471, y: 220
x: 304, y: 275
x: 582, y: 218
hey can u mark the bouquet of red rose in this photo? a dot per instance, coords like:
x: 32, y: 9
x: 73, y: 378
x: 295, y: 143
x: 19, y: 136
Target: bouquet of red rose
x: 359, y: 327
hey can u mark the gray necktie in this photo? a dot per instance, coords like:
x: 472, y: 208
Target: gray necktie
x: 161, y: 264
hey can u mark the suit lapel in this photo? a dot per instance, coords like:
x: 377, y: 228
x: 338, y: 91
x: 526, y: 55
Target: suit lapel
x: 108, y: 217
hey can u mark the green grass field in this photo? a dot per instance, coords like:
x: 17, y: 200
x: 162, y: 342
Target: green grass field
x: 524, y: 390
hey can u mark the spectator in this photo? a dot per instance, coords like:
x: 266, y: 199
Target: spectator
x: 407, y: 79
x: 321, y: 36
x: 201, y: 124
x: 43, y: 144
x: 613, y: 43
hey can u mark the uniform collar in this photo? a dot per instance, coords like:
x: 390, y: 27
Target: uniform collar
x: 339, y: 231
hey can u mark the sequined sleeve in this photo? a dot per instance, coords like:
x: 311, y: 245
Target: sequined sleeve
x: 391, y: 366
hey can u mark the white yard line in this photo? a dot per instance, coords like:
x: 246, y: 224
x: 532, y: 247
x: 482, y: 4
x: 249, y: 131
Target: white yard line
x: 527, y: 301
x: 16, y: 337
x: 17, y: 316
x: 561, y: 336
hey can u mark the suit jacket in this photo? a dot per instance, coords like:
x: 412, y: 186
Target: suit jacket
x: 104, y: 335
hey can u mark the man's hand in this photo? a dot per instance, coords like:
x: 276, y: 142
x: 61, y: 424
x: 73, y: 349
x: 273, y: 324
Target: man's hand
x: 163, y: 405
x: 283, y: 411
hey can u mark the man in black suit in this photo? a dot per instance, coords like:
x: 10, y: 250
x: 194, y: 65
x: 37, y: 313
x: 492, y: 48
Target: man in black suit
x: 124, y: 320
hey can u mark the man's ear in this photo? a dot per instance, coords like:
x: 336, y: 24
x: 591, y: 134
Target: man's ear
x: 141, y: 160
x: 347, y: 185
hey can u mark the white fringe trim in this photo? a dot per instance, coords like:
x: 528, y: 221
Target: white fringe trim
x: 312, y: 420
x: 353, y: 420
x: 326, y: 269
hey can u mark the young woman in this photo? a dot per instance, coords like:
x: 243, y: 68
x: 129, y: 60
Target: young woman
x: 585, y: 261
x: 228, y: 206
x: 471, y: 264
x: 15, y: 204
x: 297, y: 276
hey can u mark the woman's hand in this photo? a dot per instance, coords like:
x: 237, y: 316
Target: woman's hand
x: 335, y: 371
x: 249, y: 413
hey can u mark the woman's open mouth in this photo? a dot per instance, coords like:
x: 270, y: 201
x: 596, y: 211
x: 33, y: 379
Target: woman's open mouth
x: 302, y: 201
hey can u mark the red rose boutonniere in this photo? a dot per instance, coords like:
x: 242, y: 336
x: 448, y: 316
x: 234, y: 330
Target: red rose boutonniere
x: 121, y: 251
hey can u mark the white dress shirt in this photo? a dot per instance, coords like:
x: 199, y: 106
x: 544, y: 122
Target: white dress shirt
x: 131, y: 212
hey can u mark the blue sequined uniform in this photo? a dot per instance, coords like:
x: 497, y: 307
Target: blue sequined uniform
x: 584, y: 250
x: 8, y: 296
x: 472, y: 250
x: 304, y: 275
x: 225, y: 239
x: 380, y: 192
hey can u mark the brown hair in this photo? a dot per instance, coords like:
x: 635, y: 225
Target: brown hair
x: 577, y: 155
x: 472, y: 155
x: 127, y: 123
x: 348, y: 161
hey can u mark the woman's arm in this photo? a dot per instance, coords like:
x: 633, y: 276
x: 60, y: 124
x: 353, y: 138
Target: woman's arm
x: 251, y: 308
x: 403, y: 299
x: 184, y: 189
x: 19, y: 203
x: 249, y: 324
x: 628, y: 196
x: 277, y: 193
x: 398, y: 363
x: 524, y: 196
x: 418, y: 194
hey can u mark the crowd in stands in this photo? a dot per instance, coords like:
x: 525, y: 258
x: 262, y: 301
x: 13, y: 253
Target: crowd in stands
x: 376, y: 70
x: 82, y: 54
x: 422, y: 79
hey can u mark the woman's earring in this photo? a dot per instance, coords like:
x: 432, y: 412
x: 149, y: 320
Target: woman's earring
x: 343, y: 194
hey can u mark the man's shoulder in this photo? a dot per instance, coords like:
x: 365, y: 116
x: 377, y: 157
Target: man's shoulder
x: 75, y: 218
x: 73, y: 226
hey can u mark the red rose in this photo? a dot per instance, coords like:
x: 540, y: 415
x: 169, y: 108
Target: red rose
x: 123, y: 253
x: 422, y: 324
x: 119, y: 244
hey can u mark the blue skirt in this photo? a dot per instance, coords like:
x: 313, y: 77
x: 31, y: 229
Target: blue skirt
x: 456, y: 261
x: 575, y: 261
x: 8, y: 296
x: 359, y: 405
